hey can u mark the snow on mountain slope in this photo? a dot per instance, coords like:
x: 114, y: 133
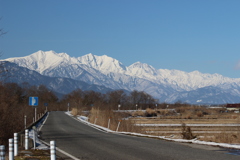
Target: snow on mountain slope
x: 169, y: 85
x: 142, y: 70
x: 61, y: 86
x: 40, y: 61
x: 103, y: 63
x: 192, y: 80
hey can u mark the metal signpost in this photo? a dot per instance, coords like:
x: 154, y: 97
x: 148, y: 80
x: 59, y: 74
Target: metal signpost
x: 33, y: 101
x: 46, y: 105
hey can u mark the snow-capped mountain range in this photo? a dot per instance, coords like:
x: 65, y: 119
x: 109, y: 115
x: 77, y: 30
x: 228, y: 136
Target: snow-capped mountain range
x: 166, y: 85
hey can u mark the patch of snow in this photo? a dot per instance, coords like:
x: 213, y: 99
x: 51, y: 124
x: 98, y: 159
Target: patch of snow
x: 191, y: 125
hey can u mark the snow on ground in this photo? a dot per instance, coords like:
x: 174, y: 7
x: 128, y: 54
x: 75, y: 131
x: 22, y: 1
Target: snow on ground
x: 191, y: 125
x: 84, y: 119
x: 172, y: 132
x: 129, y: 110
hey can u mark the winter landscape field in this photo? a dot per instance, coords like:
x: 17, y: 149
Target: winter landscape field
x: 120, y: 80
x: 216, y: 130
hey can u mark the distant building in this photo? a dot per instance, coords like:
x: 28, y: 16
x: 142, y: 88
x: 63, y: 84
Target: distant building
x: 233, y: 107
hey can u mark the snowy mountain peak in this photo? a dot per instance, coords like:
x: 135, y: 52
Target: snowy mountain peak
x: 169, y: 85
x: 40, y: 60
x: 65, y: 55
x: 104, y: 63
x: 140, y: 65
x: 142, y: 70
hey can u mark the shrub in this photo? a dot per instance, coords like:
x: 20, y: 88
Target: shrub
x: 186, y: 132
x: 150, y: 112
x: 138, y: 113
x: 200, y: 114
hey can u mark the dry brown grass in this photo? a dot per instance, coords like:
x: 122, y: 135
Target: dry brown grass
x: 194, y: 115
x: 224, y: 137
x: 138, y: 113
x: 101, y: 117
x: 74, y: 111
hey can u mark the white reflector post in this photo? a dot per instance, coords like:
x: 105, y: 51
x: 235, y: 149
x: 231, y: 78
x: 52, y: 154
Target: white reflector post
x: 15, y: 144
x: 2, y: 152
x: 52, y: 150
x: 11, y: 156
x: 26, y: 139
x: 118, y: 126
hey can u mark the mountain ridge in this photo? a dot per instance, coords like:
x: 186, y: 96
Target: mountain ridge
x: 60, y: 85
x: 109, y: 72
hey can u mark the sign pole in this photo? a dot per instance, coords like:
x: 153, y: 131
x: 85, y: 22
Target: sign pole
x: 33, y: 101
x: 35, y: 114
x: 25, y: 122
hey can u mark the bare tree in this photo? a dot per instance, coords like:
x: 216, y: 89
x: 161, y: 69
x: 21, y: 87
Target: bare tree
x: 2, y: 32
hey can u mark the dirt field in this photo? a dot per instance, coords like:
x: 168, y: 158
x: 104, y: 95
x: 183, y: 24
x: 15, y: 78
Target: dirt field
x: 214, y: 126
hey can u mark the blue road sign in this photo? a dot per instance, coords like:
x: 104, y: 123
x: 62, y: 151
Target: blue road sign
x: 33, y: 101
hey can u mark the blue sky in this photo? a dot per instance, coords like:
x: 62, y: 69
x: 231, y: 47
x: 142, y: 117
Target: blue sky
x: 186, y: 35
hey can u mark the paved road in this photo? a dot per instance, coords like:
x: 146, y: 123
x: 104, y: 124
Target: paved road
x: 87, y: 143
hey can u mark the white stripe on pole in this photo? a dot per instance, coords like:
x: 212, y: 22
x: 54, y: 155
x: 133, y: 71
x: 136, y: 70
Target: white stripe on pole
x: 26, y: 139
x: 15, y: 144
x: 11, y: 156
x: 52, y: 150
x: 2, y: 152
x: 118, y: 126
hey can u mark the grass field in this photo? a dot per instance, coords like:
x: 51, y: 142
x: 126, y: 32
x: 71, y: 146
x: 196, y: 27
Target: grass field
x: 205, y: 124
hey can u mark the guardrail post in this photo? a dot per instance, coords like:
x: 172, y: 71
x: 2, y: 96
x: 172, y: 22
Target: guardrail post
x: 95, y: 120
x: 52, y: 150
x: 118, y: 125
x: 15, y: 144
x: 2, y: 152
x: 26, y: 139
x: 11, y: 156
x: 109, y: 122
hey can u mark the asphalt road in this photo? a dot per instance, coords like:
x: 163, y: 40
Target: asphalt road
x: 87, y: 143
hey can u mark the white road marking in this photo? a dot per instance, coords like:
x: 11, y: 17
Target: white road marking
x: 63, y: 152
